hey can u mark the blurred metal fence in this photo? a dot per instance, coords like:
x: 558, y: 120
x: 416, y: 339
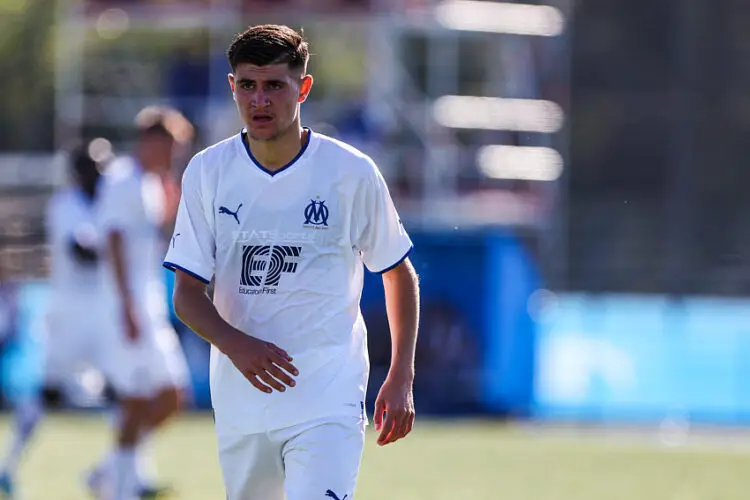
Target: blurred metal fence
x: 659, y: 148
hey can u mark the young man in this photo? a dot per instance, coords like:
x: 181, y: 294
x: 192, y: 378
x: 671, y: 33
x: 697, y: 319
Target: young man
x: 283, y: 219
x: 79, y: 310
x: 149, y: 371
x: 77, y: 314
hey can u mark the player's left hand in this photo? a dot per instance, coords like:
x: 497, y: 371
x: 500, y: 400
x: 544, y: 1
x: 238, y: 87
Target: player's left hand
x: 396, y: 400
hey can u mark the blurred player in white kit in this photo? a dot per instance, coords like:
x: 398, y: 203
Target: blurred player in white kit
x: 148, y: 368
x: 79, y: 329
x: 78, y: 311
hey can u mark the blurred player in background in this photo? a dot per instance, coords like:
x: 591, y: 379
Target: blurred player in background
x: 149, y: 371
x: 78, y: 311
x: 284, y: 219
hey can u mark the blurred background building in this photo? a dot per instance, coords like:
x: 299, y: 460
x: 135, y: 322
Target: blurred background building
x: 572, y: 172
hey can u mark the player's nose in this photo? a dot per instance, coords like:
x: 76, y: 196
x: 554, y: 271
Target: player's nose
x: 259, y: 99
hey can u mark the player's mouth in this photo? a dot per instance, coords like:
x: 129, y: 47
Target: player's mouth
x: 261, y: 119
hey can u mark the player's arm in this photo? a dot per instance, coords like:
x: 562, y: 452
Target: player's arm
x: 194, y: 308
x: 385, y: 247
x: 115, y: 215
x: 116, y: 250
x: 401, y: 286
x: 396, y: 398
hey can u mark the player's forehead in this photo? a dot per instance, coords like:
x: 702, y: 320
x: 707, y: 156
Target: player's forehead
x: 247, y: 71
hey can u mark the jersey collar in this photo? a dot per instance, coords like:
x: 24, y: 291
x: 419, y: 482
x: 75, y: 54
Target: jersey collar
x: 272, y: 173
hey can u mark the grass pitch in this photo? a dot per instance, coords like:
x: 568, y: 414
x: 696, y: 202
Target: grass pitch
x: 440, y: 461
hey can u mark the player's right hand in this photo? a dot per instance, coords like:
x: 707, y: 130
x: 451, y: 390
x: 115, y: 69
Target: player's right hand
x: 264, y: 364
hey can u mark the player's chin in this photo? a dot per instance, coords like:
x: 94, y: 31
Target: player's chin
x: 263, y: 132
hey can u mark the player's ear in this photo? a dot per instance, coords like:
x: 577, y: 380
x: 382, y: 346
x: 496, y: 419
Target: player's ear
x: 304, y: 88
x: 230, y: 77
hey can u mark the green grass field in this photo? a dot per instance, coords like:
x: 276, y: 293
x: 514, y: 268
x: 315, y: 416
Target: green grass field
x: 441, y: 460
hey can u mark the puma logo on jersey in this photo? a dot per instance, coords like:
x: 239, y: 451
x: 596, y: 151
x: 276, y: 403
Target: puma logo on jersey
x: 224, y: 210
x: 331, y: 494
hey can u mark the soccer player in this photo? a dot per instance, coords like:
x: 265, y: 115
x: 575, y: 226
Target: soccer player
x: 149, y: 371
x: 79, y: 310
x: 283, y: 219
x: 76, y: 313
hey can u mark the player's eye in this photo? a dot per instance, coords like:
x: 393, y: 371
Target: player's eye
x: 275, y: 85
x: 247, y: 85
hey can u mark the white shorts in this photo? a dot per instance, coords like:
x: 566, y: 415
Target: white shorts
x: 144, y: 367
x: 319, y: 459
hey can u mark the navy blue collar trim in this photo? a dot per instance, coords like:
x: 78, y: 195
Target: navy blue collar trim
x: 246, y: 143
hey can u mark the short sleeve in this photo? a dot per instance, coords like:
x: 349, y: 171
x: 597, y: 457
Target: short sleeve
x: 382, y: 240
x: 193, y: 245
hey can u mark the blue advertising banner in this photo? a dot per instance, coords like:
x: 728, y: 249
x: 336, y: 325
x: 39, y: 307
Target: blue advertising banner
x: 640, y: 358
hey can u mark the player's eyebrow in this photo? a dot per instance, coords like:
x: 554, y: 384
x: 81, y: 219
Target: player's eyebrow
x: 276, y: 81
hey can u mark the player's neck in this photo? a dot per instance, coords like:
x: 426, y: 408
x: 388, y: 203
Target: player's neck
x: 276, y: 154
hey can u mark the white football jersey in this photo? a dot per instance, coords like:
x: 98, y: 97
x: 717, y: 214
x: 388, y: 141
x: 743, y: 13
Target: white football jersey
x: 70, y: 215
x: 133, y: 202
x: 286, y: 250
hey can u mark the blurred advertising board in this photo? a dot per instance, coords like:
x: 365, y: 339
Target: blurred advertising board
x: 643, y: 359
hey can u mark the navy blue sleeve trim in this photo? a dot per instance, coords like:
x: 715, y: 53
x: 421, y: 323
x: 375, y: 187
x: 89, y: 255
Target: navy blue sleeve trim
x: 174, y: 267
x: 397, y: 262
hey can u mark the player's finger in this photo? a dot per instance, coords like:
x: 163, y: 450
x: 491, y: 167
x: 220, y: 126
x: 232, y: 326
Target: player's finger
x: 399, y: 427
x: 388, y: 425
x: 378, y: 415
x: 406, y: 424
x: 269, y: 380
x: 278, y: 350
x: 282, y: 362
x: 256, y: 383
x: 409, y: 423
x: 280, y: 375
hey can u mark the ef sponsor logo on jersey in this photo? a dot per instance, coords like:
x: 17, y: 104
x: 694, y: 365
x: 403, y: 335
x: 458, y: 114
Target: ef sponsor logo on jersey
x: 264, y: 265
x: 316, y: 214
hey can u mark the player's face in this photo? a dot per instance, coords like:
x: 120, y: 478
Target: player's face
x: 157, y: 150
x: 268, y: 98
